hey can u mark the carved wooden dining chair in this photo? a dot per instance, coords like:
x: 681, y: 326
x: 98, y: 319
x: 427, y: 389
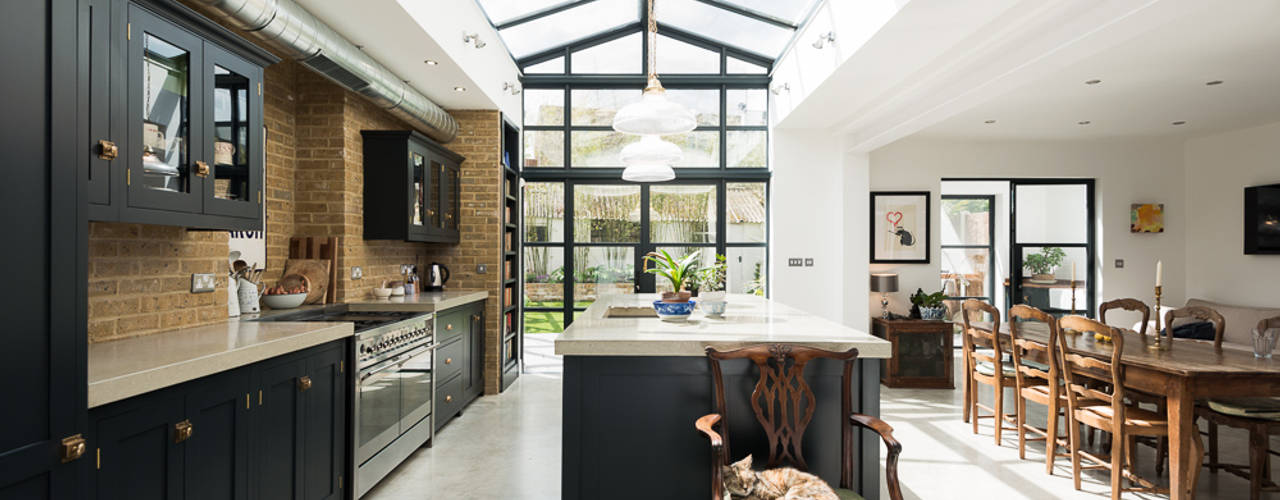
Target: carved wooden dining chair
x: 784, y: 405
x: 987, y: 367
x: 1134, y: 305
x: 1097, y: 407
x: 1200, y: 313
x: 1039, y: 383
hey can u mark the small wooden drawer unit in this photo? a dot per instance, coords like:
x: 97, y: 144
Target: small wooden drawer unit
x: 922, y: 353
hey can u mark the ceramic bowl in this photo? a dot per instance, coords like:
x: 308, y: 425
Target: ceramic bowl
x: 674, y: 311
x: 713, y: 308
x: 286, y: 301
x: 382, y: 293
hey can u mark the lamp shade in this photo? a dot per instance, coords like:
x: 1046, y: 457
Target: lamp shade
x: 654, y: 114
x: 884, y: 282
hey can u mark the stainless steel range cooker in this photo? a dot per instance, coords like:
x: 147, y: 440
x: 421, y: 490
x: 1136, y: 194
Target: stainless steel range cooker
x: 394, y: 386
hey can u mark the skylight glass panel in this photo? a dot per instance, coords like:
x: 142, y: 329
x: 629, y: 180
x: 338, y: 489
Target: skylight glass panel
x: 736, y: 66
x: 501, y: 11
x: 569, y: 25
x: 616, y: 56
x: 677, y: 57
x: 787, y: 10
x: 719, y: 24
x: 553, y: 66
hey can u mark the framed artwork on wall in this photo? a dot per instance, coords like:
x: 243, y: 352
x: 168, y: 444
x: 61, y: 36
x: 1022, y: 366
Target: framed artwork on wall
x: 900, y: 227
x: 1146, y: 218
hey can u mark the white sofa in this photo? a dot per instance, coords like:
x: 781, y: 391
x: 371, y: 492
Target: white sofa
x: 1241, y: 320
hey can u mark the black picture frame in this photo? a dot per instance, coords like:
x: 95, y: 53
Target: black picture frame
x: 922, y: 236
x: 1259, y: 204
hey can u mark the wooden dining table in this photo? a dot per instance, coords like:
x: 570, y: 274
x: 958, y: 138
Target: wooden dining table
x: 1186, y: 372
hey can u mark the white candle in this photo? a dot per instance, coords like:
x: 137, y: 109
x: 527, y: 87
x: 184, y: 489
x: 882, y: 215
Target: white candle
x: 1159, y: 272
x: 1073, y: 273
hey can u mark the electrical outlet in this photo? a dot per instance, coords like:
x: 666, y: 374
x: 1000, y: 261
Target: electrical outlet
x: 795, y: 262
x: 203, y: 283
x: 1119, y: 263
x: 808, y: 262
x: 482, y: 268
x: 356, y: 272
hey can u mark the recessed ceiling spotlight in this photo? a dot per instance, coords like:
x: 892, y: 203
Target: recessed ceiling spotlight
x: 989, y: 122
x: 459, y: 89
x: 1180, y: 122
x: 1086, y: 122
x: 430, y: 62
x: 1095, y: 81
x: 1213, y: 82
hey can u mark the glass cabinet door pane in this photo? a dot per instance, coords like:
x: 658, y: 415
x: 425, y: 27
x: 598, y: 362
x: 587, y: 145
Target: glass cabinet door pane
x: 419, y: 188
x: 231, y: 147
x: 433, y: 212
x: 454, y: 198
x: 166, y: 114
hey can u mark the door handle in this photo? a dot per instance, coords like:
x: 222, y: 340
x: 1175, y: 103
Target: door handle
x: 73, y: 447
x: 475, y: 317
x: 304, y: 383
x: 182, y: 431
x: 107, y: 150
x: 202, y: 169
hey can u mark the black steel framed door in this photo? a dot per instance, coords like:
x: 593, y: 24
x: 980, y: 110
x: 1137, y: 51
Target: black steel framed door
x: 1048, y: 217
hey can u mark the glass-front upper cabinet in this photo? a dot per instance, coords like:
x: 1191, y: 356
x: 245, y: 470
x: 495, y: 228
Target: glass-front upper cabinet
x: 175, y: 118
x: 410, y: 188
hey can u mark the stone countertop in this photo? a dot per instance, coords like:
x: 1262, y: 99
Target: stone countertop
x: 420, y: 302
x: 124, y: 368
x: 748, y: 320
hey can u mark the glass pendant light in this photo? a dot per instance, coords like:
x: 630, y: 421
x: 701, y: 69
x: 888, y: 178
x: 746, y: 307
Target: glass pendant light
x: 654, y: 115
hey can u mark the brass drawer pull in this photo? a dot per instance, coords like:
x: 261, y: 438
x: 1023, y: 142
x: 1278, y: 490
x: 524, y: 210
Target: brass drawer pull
x: 107, y: 150
x: 475, y: 317
x: 202, y: 169
x: 182, y: 431
x: 72, y: 448
x: 448, y: 326
x: 448, y: 398
x: 448, y: 361
x: 304, y: 383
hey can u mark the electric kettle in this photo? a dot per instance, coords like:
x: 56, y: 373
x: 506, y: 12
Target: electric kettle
x: 437, y: 276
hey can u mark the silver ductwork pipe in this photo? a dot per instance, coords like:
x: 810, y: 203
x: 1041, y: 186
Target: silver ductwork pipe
x: 289, y: 29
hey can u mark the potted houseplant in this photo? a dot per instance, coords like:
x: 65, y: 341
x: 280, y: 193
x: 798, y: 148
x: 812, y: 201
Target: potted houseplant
x: 711, y: 283
x: 1042, y: 265
x: 675, y: 304
x: 928, y: 305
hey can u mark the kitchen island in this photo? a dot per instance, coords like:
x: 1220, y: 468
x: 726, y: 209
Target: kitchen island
x: 633, y: 388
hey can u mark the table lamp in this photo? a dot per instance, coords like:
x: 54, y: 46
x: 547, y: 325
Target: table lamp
x: 885, y: 283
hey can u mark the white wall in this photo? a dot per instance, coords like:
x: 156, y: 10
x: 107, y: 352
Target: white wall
x: 808, y: 213
x: 1127, y: 171
x: 1218, y: 168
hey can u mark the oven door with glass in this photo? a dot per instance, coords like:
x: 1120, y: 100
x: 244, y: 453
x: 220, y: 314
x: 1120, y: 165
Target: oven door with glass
x: 377, y: 407
x: 416, y: 386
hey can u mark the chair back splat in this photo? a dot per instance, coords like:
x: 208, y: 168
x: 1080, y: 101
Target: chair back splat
x: 1134, y: 305
x: 783, y: 402
x: 1201, y: 313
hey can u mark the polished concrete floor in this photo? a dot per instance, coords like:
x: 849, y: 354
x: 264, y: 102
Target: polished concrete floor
x: 508, y: 447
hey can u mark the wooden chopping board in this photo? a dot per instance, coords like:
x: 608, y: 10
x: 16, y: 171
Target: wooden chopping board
x: 316, y: 271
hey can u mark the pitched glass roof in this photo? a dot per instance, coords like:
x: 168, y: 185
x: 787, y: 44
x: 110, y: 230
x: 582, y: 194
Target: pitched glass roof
x: 533, y: 29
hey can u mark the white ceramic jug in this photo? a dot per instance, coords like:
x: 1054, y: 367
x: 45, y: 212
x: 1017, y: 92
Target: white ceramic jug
x: 249, y: 293
x: 233, y: 297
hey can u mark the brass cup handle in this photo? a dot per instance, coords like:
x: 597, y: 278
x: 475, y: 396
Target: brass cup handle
x: 448, y: 398
x: 202, y: 169
x: 182, y: 431
x: 304, y: 383
x: 107, y: 150
x: 73, y: 447
x: 448, y: 361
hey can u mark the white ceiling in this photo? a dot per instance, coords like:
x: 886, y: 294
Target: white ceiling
x: 389, y: 34
x: 1150, y: 80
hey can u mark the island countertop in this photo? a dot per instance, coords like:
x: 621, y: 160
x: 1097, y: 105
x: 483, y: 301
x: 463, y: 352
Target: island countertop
x: 748, y: 320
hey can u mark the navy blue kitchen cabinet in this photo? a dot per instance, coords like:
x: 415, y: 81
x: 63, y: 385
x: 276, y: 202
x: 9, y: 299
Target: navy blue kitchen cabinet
x: 272, y: 430
x: 460, y: 359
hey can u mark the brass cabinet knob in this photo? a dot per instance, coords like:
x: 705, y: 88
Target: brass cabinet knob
x: 107, y: 150
x: 475, y: 317
x: 304, y: 383
x: 72, y: 448
x: 182, y: 431
x: 202, y: 169
x: 448, y: 361
x: 448, y: 326
x: 448, y: 398
x: 431, y: 211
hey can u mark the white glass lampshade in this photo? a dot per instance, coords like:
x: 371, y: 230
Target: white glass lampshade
x: 654, y: 114
x: 649, y: 160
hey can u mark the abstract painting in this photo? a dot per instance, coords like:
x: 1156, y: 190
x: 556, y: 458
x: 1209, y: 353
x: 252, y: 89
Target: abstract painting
x: 900, y: 227
x: 1146, y: 218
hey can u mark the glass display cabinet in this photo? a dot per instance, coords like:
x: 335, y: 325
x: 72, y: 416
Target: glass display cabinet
x: 411, y: 188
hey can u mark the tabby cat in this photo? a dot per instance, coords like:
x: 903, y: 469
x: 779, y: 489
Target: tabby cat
x: 774, y: 484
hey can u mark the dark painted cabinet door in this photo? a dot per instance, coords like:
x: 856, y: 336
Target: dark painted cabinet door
x: 233, y: 137
x: 42, y: 362
x: 101, y: 73
x: 217, y: 454
x: 134, y: 450
x: 324, y: 425
x: 277, y: 430
x: 475, y: 367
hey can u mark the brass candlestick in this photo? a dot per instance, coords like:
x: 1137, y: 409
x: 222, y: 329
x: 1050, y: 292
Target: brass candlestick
x: 1162, y: 344
x: 1073, y: 296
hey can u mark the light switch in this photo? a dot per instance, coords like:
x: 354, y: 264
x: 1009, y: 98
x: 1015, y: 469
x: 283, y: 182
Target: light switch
x: 203, y: 283
x: 808, y: 262
x: 1119, y: 263
x: 795, y: 262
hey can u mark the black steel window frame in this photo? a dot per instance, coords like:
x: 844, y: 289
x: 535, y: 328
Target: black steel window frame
x: 643, y: 282
x: 1090, y: 244
x: 990, y: 247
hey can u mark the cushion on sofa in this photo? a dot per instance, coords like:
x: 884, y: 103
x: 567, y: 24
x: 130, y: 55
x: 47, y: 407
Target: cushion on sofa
x: 1240, y: 320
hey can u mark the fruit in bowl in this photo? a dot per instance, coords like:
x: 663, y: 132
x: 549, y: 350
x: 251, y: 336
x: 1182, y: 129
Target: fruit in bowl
x: 280, y: 297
